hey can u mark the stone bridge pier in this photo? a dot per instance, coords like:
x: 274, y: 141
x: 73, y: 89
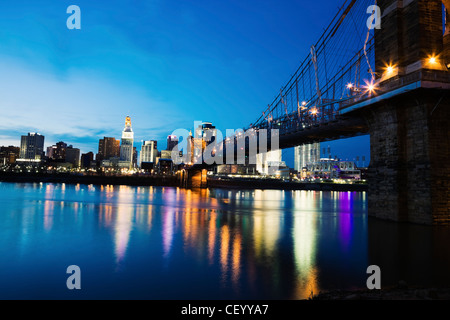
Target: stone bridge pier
x: 193, y: 178
x: 409, y: 173
x: 409, y: 122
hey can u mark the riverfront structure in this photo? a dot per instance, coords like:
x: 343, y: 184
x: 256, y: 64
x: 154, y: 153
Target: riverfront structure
x: 126, y: 144
x: 306, y: 154
x: 108, y: 148
x: 32, y: 147
x: 149, y: 152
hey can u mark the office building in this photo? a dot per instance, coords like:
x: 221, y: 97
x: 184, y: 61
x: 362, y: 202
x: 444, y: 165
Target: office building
x: 172, y: 142
x: 270, y: 163
x: 135, y: 158
x: 8, y: 155
x: 32, y: 147
x: 207, y: 132
x: 126, y: 144
x: 306, y: 154
x: 108, y: 148
x: 59, y: 153
x: 332, y: 169
x: 149, y: 152
x: 73, y: 156
x: 87, y: 159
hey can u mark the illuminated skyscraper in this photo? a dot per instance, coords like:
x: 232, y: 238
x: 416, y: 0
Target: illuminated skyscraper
x: 32, y: 147
x: 149, y: 152
x: 306, y: 154
x: 126, y: 145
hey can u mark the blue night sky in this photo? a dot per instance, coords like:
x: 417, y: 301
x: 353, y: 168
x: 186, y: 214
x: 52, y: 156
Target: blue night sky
x: 165, y: 63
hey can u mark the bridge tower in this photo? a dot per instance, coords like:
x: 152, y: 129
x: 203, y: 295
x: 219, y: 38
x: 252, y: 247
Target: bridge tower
x: 409, y: 122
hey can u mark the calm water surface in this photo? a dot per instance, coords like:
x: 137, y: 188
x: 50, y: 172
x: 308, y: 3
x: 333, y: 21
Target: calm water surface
x: 169, y: 243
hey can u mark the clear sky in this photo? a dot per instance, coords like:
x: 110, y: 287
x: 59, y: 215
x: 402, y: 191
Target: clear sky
x: 166, y: 63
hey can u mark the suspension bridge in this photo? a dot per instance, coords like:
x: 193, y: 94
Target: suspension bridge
x: 391, y: 82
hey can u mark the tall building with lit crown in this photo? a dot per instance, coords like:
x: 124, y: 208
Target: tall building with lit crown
x: 126, y: 144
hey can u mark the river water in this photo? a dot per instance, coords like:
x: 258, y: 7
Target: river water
x: 172, y: 243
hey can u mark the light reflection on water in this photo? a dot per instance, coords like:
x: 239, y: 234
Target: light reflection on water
x: 170, y: 243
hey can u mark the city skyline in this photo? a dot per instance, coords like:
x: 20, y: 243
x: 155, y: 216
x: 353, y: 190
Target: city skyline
x: 291, y: 162
x: 225, y: 151
x: 196, y: 62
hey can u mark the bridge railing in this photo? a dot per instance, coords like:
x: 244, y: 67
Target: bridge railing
x: 334, y: 70
x: 419, y: 77
x: 328, y: 111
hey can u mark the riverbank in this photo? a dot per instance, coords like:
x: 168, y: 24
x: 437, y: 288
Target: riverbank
x: 399, y: 292
x: 171, y: 181
x: 282, y: 185
x: 163, y: 181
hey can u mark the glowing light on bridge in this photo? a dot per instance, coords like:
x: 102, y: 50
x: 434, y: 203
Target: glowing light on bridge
x: 432, y: 60
x: 314, y: 111
x: 371, y: 87
x: 302, y: 106
x: 390, y: 69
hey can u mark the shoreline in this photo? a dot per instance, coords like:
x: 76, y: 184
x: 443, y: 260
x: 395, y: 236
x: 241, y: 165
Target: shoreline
x: 281, y: 185
x: 398, y: 292
x: 159, y: 181
x: 172, y: 181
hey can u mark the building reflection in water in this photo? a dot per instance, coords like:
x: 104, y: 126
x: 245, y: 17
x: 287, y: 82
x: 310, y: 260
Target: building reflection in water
x: 49, y: 206
x: 304, y: 236
x: 168, y: 230
x: 345, y: 219
x: 267, y: 218
x: 224, y: 251
x: 123, y: 222
x: 227, y: 229
x: 212, y: 234
x: 227, y: 243
x: 236, y: 259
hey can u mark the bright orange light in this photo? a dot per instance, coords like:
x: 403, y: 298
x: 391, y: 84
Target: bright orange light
x: 432, y: 60
x: 371, y: 87
x: 350, y: 85
x: 390, y: 69
x: 314, y: 111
